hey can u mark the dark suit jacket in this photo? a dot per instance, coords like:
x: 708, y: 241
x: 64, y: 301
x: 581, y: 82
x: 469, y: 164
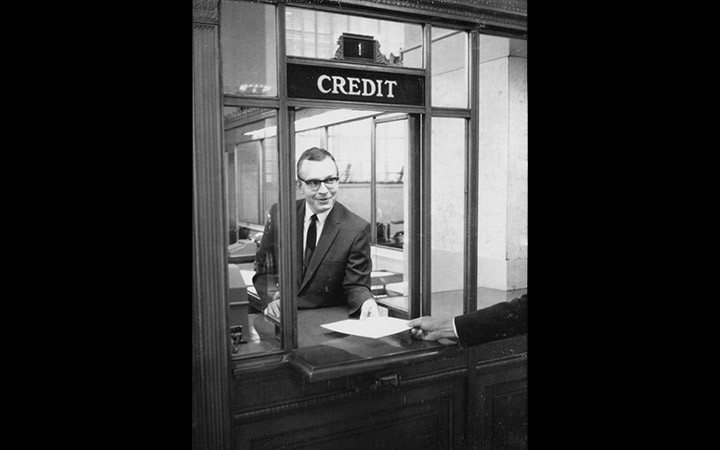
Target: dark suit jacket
x: 501, y: 320
x: 339, y: 271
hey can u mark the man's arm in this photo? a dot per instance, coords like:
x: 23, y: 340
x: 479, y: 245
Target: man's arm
x: 495, y: 322
x: 356, y: 284
x: 504, y: 319
x: 266, y: 272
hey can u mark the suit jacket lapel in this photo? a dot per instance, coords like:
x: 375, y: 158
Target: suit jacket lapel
x: 300, y: 244
x: 330, y: 230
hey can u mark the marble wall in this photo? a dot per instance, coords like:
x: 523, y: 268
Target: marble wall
x: 503, y: 164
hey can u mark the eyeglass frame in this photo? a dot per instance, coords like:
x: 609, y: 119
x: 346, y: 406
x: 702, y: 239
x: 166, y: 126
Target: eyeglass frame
x: 333, y: 180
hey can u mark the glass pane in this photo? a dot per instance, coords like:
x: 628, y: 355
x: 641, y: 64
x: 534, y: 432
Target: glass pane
x: 315, y: 34
x: 364, y: 185
x: 448, y: 216
x: 390, y: 254
x: 503, y: 170
x: 391, y: 142
x: 350, y: 144
x: 310, y: 138
x: 251, y: 175
x: 449, y: 68
x: 248, y: 46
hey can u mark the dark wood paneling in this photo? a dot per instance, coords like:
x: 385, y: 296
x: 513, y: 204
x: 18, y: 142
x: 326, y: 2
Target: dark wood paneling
x: 279, y: 389
x: 424, y: 405
x: 499, y: 420
x: 424, y: 414
x: 507, y: 419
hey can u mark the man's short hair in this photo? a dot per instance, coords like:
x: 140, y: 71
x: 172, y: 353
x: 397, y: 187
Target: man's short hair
x: 315, y: 154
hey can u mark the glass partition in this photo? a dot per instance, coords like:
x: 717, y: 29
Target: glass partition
x: 249, y: 48
x: 251, y: 184
x: 390, y: 252
x: 449, y: 68
x: 316, y: 34
x: 370, y: 150
x: 448, y: 215
x: 503, y: 170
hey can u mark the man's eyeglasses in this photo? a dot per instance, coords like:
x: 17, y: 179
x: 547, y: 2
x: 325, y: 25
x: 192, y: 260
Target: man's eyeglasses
x: 315, y: 184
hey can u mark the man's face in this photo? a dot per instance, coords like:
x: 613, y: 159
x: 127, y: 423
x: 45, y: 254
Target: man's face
x: 322, y: 198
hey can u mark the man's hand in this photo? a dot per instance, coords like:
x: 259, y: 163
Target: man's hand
x: 273, y: 308
x: 369, y: 309
x: 430, y: 329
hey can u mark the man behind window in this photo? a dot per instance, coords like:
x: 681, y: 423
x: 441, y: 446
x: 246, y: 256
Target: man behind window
x: 335, y: 265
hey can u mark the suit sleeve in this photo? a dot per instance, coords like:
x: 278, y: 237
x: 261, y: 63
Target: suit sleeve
x: 266, y: 273
x: 356, y: 284
x: 493, y: 323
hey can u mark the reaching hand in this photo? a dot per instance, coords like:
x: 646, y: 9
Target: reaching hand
x: 273, y: 308
x: 430, y: 329
x: 369, y: 309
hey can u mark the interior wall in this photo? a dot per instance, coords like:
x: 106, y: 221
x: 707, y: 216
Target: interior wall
x: 503, y: 169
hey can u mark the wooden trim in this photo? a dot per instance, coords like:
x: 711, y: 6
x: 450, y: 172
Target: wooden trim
x: 335, y: 104
x: 373, y: 181
x: 293, y: 406
x: 324, y: 399
x: 484, y: 366
x: 424, y: 266
x: 205, y: 11
x: 413, y: 228
x: 236, y: 100
x: 211, y: 352
x: 258, y: 362
x: 460, y: 113
x: 287, y: 215
x: 434, y: 378
x: 347, y: 65
x: 471, y: 181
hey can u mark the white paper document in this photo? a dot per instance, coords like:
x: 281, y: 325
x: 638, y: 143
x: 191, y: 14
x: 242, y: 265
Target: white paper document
x: 247, y: 276
x: 372, y: 327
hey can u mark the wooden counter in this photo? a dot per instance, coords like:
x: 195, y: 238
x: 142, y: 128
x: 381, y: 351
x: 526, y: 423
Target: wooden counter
x: 324, y: 354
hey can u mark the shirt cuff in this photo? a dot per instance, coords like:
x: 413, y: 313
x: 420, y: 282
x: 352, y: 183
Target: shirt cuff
x: 455, y: 329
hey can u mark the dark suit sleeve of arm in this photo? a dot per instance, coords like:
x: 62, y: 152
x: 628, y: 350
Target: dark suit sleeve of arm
x: 357, y: 273
x: 265, y: 278
x: 495, y: 322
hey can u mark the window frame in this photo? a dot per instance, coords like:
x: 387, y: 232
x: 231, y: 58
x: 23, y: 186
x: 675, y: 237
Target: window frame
x: 284, y: 107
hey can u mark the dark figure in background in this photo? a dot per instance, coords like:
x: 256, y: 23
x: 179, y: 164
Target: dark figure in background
x: 335, y: 266
x: 501, y: 320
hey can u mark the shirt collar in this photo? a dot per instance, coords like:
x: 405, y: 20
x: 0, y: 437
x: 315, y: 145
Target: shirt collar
x: 321, y: 217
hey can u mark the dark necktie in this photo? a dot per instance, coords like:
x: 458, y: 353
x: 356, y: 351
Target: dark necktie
x: 310, y: 242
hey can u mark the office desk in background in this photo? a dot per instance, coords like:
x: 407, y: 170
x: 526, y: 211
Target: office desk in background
x: 243, y: 251
x: 377, y: 278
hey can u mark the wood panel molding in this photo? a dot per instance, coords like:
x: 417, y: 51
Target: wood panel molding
x: 294, y: 406
x: 205, y: 10
x: 211, y: 371
x: 357, y: 390
x: 434, y: 378
x: 421, y: 419
x: 499, y: 418
x: 493, y: 365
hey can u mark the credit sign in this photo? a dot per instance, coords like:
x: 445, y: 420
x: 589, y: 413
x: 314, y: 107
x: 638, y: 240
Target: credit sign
x: 334, y: 83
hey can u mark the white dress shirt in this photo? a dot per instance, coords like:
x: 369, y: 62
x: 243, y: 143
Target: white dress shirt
x: 321, y: 218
